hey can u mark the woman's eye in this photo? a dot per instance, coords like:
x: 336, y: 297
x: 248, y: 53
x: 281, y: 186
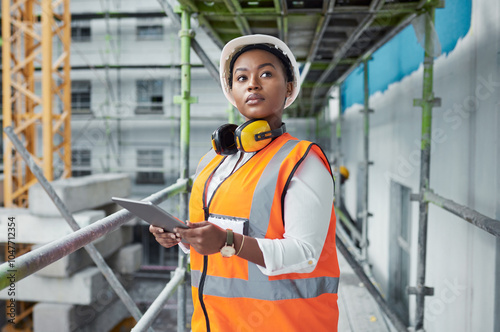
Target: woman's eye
x: 267, y: 74
x: 241, y: 78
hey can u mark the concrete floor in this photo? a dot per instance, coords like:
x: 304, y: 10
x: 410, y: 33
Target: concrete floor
x: 359, y: 312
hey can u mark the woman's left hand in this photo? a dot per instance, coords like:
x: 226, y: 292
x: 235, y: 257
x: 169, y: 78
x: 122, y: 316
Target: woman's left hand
x: 204, y: 237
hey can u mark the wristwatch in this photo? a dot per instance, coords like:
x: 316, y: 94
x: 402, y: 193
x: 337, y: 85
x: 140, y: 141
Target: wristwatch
x: 228, y: 249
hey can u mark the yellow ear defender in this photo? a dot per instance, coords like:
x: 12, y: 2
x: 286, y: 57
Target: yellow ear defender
x: 251, y: 136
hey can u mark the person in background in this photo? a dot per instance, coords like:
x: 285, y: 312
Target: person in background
x: 341, y: 207
x: 261, y: 219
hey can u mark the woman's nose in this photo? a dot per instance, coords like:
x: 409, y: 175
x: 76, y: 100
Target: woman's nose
x: 253, y: 82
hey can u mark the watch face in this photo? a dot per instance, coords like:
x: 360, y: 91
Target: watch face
x: 227, y: 251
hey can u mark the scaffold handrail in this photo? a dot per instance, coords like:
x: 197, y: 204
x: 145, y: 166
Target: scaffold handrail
x: 30, y: 263
x: 154, y: 310
x: 477, y: 219
x: 350, y: 226
x: 39, y: 258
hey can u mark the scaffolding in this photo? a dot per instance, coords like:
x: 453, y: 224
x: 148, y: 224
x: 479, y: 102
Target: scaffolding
x: 356, y: 256
x: 28, y: 33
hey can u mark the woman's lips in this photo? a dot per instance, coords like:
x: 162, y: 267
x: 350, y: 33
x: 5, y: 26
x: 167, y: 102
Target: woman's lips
x: 254, y: 98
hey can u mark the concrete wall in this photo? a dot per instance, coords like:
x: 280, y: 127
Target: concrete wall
x: 464, y: 168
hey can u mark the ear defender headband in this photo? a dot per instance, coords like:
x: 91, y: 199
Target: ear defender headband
x: 251, y: 136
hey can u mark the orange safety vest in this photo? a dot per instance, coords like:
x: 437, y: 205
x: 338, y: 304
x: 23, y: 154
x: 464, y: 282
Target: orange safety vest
x: 232, y: 294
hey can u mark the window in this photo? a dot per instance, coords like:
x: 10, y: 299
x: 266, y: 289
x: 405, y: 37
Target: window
x: 150, y: 159
x: 149, y: 97
x: 80, y: 97
x: 80, y: 160
x: 150, y: 29
x: 80, y: 31
x: 399, y: 250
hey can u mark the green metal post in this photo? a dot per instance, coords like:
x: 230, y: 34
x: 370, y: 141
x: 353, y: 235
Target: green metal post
x: 367, y: 163
x: 185, y: 100
x: 426, y: 103
x: 339, y: 163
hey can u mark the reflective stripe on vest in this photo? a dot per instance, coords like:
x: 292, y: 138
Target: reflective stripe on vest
x: 204, y: 161
x: 264, y: 192
x: 285, y: 289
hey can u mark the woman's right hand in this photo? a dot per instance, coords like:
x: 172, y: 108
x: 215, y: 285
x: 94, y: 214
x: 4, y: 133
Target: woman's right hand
x: 164, y: 238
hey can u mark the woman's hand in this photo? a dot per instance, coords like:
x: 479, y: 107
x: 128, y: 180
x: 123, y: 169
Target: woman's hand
x: 204, y: 237
x: 164, y: 238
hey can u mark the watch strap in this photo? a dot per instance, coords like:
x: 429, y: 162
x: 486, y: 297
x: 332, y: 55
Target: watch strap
x: 229, y: 237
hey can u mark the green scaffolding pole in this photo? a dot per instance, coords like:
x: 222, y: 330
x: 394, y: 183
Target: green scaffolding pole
x: 366, y: 161
x: 427, y: 102
x: 338, y: 162
x: 185, y: 100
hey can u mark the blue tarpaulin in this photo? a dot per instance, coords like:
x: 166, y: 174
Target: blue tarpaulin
x: 402, y: 55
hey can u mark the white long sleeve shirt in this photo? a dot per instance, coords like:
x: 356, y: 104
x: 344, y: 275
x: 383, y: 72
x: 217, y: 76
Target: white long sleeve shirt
x: 307, y: 211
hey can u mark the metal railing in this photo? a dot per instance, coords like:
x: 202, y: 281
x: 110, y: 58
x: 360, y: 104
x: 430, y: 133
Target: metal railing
x: 41, y: 257
x: 149, y: 316
x: 487, y: 224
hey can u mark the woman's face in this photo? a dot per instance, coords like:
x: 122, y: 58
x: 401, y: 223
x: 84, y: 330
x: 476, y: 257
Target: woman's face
x: 260, y: 87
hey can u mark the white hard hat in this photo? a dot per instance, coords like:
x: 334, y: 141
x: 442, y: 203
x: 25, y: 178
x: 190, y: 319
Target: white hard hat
x: 274, y: 45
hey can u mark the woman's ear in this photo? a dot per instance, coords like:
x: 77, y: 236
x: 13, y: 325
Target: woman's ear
x: 289, y: 89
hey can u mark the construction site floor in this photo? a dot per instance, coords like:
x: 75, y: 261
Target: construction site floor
x: 358, y: 310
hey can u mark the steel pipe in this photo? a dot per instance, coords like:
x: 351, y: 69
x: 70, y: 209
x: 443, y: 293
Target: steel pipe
x: 147, y: 320
x: 91, y: 249
x: 185, y: 100
x: 366, y: 155
x: 363, y: 26
x: 39, y: 258
x: 212, y: 69
x: 425, y: 161
x: 490, y: 225
x: 349, y: 225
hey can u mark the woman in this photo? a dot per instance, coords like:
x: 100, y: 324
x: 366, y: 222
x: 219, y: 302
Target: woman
x: 262, y: 224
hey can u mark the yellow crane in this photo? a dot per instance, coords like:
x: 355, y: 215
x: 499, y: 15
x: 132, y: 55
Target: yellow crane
x: 30, y: 31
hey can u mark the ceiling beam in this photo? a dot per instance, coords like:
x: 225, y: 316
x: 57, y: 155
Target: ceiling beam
x: 375, y: 5
x: 239, y: 19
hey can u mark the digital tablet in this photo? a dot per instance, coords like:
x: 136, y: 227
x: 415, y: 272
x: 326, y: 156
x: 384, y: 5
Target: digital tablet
x: 151, y: 213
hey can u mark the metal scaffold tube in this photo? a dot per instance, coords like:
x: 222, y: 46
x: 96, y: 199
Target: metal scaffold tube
x: 90, y: 248
x: 426, y: 103
x: 39, y: 258
x: 490, y: 225
x: 154, y: 310
x: 185, y: 100
x: 338, y: 133
x: 212, y: 69
x: 367, y: 163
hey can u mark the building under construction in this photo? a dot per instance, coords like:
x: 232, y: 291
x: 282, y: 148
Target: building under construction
x: 119, y: 98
